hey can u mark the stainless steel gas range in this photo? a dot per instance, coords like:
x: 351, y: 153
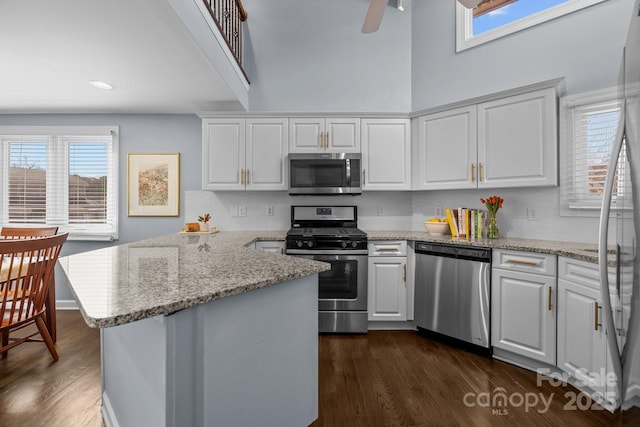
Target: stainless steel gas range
x: 330, y: 234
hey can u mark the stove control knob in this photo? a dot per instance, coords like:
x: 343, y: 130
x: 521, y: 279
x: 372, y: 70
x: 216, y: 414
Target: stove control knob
x: 299, y: 243
x: 309, y: 243
x: 354, y: 244
x: 344, y: 244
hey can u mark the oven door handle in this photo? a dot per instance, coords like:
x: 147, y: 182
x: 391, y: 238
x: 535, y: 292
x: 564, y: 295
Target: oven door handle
x: 345, y: 252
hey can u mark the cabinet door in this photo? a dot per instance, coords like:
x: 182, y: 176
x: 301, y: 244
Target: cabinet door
x: 306, y: 135
x: 342, y: 135
x: 387, y: 297
x: 386, y: 154
x: 582, y: 343
x: 266, y: 165
x: 223, y: 154
x: 447, y: 150
x: 523, y: 314
x: 517, y: 141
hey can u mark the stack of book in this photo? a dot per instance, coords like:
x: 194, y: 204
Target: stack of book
x: 466, y: 223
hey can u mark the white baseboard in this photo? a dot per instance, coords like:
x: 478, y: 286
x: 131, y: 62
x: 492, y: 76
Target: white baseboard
x: 108, y: 416
x: 388, y: 325
x: 66, y: 304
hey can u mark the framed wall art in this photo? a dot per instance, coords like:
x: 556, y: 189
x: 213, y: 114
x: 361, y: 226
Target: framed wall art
x: 153, y: 184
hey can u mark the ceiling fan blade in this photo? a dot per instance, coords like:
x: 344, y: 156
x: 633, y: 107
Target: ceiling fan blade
x: 470, y: 4
x: 374, y: 15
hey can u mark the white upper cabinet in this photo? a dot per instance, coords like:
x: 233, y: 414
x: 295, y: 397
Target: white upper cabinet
x: 386, y: 154
x: 324, y: 135
x: 507, y: 142
x: 447, y: 150
x: 517, y: 141
x: 223, y: 153
x: 241, y: 154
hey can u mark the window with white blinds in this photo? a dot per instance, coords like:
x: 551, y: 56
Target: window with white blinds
x: 589, y: 123
x: 63, y: 176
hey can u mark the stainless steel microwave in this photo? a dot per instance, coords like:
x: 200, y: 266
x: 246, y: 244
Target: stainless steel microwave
x: 325, y: 173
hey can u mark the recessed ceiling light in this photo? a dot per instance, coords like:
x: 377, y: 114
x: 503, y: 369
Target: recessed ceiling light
x: 101, y: 85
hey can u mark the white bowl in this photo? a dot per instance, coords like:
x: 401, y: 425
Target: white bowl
x: 436, y: 227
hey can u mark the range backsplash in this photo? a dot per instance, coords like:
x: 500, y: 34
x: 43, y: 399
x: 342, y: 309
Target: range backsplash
x: 387, y: 210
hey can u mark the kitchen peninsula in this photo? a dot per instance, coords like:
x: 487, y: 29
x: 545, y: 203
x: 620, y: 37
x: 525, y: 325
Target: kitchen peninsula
x: 197, y: 329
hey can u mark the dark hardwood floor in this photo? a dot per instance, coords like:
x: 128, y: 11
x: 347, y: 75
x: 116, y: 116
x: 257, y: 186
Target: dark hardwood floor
x: 394, y: 378
x: 35, y: 391
x: 398, y: 378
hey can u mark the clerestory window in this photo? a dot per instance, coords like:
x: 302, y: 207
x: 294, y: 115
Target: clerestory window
x: 493, y: 19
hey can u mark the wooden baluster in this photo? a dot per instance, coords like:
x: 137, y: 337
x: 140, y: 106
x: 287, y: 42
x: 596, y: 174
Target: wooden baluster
x: 229, y: 16
x: 236, y: 33
x: 239, y: 38
x: 227, y: 20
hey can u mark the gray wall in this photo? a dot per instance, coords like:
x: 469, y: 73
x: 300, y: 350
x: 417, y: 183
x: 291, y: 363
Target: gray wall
x: 309, y: 55
x: 138, y: 133
x: 585, y: 47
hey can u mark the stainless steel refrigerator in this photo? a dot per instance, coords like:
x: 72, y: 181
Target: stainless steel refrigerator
x: 619, y: 260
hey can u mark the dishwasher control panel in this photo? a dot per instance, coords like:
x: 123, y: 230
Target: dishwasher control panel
x: 454, y: 251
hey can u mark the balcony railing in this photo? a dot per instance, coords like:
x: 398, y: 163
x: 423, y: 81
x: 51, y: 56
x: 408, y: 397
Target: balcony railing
x: 228, y: 16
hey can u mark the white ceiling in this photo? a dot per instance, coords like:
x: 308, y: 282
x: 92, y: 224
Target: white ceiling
x: 49, y: 50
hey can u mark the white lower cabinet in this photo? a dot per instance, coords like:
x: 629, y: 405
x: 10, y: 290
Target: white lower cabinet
x: 582, y: 339
x: 523, y: 308
x: 273, y: 246
x: 387, y: 278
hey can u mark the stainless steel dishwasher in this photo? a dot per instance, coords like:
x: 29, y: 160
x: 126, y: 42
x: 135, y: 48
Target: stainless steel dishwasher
x: 452, y: 288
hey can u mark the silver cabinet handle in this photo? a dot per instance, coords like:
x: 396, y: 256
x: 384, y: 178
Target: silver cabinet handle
x: 241, y: 176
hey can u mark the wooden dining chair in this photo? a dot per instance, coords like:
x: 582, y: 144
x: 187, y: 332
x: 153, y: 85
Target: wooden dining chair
x: 27, y: 232
x: 26, y: 268
x: 10, y: 233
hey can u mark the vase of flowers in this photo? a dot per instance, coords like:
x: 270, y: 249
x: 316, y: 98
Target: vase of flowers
x: 204, y: 222
x: 493, y: 203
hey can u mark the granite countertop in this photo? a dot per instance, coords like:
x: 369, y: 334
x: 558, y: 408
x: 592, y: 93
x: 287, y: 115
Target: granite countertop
x: 582, y: 251
x: 159, y: 276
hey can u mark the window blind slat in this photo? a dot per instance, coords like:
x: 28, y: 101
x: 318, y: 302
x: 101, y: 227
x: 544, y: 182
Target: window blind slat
x: 27, y: 181
x: 591, y: 130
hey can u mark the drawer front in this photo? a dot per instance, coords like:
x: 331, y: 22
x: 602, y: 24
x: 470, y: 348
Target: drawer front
x: 583, y: 272
x: 529, y: 262
x: 388, y: 248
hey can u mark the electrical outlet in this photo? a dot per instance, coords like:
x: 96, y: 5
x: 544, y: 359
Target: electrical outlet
x: 437, y: 211
x: 242, y: 210
x: 270, y: 210
x: 532, y: 214
x: 234, y: 210
x: 380, y: 211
